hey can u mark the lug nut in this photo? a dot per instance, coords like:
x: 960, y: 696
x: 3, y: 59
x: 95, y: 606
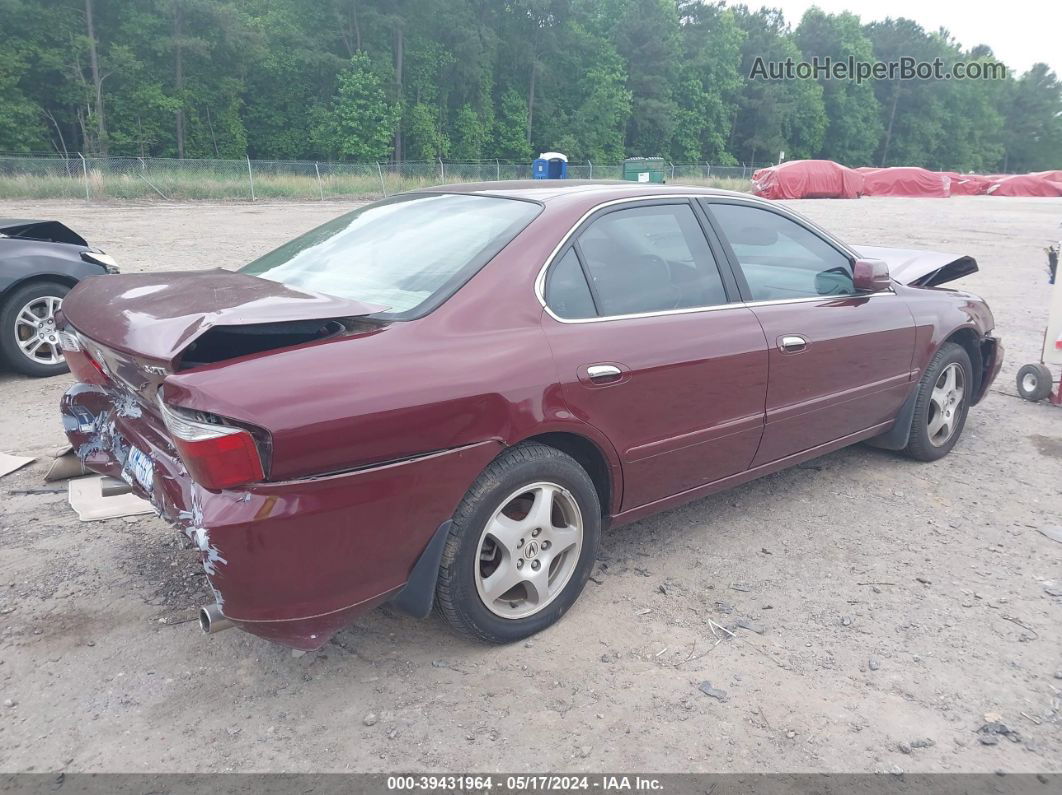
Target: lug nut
x: 535, y: 565
x: 546, y: 545
x: 520, y: 564
x: 520, y: 544
x: 536, y: 531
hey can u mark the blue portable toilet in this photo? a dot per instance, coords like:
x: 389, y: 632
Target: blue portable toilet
x: 550, y: 165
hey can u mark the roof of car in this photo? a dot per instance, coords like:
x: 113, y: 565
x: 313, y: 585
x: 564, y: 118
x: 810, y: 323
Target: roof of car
x: 546, y: 189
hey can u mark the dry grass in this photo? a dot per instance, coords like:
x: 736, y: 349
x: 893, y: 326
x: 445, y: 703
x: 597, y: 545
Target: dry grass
x: 234, y: 185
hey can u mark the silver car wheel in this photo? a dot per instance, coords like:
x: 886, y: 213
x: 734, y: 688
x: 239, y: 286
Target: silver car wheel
x: 945, y: 404
x: 529, y: 550
x: 35, y: 331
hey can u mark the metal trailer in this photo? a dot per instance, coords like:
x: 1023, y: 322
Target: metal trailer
x: 1035, y: 381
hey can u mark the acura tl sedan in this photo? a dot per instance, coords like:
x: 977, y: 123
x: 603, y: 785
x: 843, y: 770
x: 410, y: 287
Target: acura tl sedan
x: 441, y: 399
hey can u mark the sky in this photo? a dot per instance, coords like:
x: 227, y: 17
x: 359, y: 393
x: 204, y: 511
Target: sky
x: 1020, y: 32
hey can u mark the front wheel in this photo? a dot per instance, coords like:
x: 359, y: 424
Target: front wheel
x: 941, y: 405
x: 29, y: 340
x: 521, y: 545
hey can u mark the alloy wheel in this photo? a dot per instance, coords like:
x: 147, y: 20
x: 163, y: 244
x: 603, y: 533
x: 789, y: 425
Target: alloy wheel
x: 945, y: 404
x: 528, y: 550
x: 35, y: 331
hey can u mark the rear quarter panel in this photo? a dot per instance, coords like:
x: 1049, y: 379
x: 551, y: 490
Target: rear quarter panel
x: 477, y: 368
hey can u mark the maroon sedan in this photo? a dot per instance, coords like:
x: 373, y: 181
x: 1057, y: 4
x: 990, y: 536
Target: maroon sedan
x: 443, y: 397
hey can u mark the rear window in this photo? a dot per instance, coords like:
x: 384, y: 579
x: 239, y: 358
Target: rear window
x: 408, y: 253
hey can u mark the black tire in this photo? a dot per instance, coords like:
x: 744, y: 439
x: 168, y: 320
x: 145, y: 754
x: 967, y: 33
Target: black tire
x: 1034, y: 382
x: 457, y: 596
x: 9, y: 348
x: 920, y: 445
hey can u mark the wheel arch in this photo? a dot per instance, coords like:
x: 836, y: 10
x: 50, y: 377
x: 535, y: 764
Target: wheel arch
x: 897, y: 437
x: 590, y: 457
x: 36, y: 278
x: 970, y: 340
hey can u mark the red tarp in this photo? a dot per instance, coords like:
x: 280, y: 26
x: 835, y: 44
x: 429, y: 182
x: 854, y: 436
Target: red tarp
x: 1054, y: 176
x: 1025, y: 185
x: 808, y: 179
x: 905, y: 181
x: 966, y: 184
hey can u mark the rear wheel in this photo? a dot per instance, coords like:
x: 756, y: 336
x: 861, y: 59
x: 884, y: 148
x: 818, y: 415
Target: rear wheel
x: 521, y: 545
x: 29, y: 340
x: 941, y: 405
x: 1034, y: 382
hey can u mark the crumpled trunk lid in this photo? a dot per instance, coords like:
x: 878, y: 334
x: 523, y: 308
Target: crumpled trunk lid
x: 162, y: 317
x: 921, y: 268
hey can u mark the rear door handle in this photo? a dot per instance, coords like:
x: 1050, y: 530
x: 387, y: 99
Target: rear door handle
x: 603, y: 373
x: 792, y: 343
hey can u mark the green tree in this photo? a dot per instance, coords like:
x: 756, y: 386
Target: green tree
x: 774, y: 115
x: 362, y: 119
x: 853, y: 116
x: 1033, y: 110
x: 471, y: 79
x: 21, y: 124
x: 469, y: 135
x: 913, y: 111
x: 510, y: 127
x: 709, y: 82
x: 647, y: 36
x: 424, y: 137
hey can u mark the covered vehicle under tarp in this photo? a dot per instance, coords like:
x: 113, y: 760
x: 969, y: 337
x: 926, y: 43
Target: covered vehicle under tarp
x: 966, y: 184
x: 909, y: 181
x: 1054, y: 176
x: 808, y: 179
x: 1025, y: 185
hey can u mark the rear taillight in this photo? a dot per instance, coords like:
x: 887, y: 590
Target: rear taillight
x: 82, y: 364
x: 216, y: 456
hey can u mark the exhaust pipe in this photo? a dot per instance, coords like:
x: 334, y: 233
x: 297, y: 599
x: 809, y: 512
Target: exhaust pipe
x: 212, y: 620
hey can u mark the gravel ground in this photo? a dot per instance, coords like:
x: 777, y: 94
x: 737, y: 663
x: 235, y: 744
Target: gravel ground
x: 886, y: 606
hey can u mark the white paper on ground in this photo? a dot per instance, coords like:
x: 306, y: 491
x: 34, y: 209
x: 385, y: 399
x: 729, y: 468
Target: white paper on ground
x: 9, y: 463
x: 87, y: 500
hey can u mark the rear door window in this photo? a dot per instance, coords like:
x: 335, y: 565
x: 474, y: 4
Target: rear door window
x: 649, y: 259
x: 567, y: 292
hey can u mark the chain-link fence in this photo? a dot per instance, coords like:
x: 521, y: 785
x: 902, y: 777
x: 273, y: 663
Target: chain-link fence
x: 25, y: 177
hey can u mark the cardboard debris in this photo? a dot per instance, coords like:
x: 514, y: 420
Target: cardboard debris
x: 9, y: 463
x: 99, y: 497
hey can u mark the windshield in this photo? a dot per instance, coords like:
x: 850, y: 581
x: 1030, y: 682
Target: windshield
x: 408, y: 253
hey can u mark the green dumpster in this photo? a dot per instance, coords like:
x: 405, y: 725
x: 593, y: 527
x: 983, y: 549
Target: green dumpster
x: 644, y: 169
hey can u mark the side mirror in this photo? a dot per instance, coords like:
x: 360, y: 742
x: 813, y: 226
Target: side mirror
x: 870, y: 275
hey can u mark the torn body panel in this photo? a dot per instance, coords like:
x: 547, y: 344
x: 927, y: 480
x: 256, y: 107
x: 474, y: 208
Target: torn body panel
x: 46, y: 231
x: 290, y: 561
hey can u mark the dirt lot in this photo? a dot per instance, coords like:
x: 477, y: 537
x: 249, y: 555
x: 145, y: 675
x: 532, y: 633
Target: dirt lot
x: 898, y: 602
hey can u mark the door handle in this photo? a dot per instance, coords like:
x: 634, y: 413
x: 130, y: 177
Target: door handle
x: 792, y: 343
x: 603, y: 373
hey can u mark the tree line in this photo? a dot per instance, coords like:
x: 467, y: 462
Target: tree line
x: 371, y: 80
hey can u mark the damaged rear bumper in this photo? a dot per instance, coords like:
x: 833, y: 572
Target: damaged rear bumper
x: 290, y: 561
